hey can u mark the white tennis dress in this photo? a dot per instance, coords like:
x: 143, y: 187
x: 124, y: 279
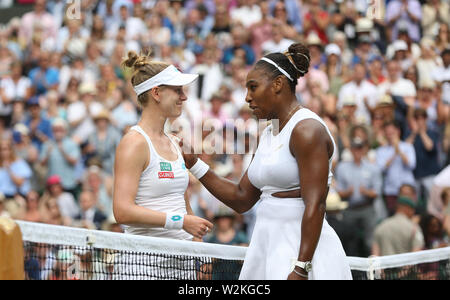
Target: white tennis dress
x: 276, y: 238
x: 161, y: 187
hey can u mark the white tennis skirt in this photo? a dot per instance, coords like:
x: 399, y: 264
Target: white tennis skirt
x: 275, y: 243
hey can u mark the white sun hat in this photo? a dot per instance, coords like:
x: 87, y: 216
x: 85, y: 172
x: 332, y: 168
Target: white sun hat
x: 169, y: 76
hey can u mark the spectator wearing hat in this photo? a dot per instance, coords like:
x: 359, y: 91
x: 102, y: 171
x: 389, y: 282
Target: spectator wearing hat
x: 79, y: 113
x: 315, y: 47
x: 397, y: 160
x: 425, y: 142
x: 336, y: 71
x: 362, y: 91
x: 40, y: 127
x: 225, y: 232
x: 104, y: 140
x: 404, y: 14
x: 15, y: 173
x: 359, y: 183
x: 61, y: 156
x: 398, y: 233
x: 428, y: 99
x: 101, y: 185
x: 66, y: 202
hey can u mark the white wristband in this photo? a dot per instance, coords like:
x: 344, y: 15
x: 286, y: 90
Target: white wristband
x: 174, y: 221
x: 199, y: 169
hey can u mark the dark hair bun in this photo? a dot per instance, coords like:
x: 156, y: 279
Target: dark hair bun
x: 299, y: 56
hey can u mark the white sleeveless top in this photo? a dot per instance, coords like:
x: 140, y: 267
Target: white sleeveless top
x: 161, y: 187
x: 274, y: 168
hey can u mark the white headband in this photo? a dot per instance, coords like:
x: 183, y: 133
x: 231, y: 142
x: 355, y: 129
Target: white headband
x: 278, y: 67
x: 168, y: 76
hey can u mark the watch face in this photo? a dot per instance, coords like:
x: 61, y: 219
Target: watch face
x: 308, y: 267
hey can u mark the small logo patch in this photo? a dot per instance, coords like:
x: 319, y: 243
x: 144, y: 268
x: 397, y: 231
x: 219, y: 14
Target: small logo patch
x: 165, y: 166
x: 176, y: 218
x: 165, y: 175
x: 183, y: 166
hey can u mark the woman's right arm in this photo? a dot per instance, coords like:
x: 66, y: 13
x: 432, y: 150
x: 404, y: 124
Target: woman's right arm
x: 241, y: 196
x: 132, y: 156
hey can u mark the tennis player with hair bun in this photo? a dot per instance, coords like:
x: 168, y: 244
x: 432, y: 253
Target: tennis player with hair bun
x: 290, y: 174
x: 150, y: 174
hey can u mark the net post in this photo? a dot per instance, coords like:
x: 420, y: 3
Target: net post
x: 11, y: 251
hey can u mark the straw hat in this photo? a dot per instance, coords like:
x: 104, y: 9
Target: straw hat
x: 313, y: 39
x: 364, y: 25
x: 103, y: 114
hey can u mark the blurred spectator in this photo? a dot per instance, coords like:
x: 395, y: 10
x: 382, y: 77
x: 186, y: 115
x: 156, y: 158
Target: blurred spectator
x: 398, y: 234
x: 397, y: 160
x: 3, y: 212
x: 79, y: 113
x: 66, y: 202
x: 395, y: 85
x: 359, y: 183
x: 362, y: 91
x: 440, y: 182
x: 90, y: 217
x: 247, y: 12
x: 240, y: 47
x: 104, y: 140
x: 225, y: 231
x: 404, y: 14
x: 434, y: 12
x: 15, y: 173
x: 277, y: 42
x: 60, y: 156
x: 44, y: 77
x: 101, y: 187
x: 33, y: 212
x: 14, y: 87
x: 442, y: 76
x: 443, y: 37
x: 425, y: 142
x: 316, y: 20
x: 434, y: 233
x: 40, y: 127
x: 38, y: 22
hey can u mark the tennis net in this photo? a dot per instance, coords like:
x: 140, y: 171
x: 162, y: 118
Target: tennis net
x: 57, y: 252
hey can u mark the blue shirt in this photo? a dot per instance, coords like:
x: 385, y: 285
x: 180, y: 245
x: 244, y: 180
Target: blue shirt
x: 44, y: 127
x: 51, y: 77
x: 58, y: 165
x: 427, y: 161
x: 397, y: 173
x: 367, y: 175
x: 21, y: 169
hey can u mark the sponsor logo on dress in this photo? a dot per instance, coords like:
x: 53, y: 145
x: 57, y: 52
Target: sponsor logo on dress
x: 165, y: 166
x: 162, y: 175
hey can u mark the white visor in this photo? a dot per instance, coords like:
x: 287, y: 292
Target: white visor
x: 168, y: 76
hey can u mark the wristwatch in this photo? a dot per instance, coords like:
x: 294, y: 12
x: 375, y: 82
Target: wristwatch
x: 306, y: 266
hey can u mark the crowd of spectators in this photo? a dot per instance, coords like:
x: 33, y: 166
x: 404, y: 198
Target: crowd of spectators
x: 379, y: 77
